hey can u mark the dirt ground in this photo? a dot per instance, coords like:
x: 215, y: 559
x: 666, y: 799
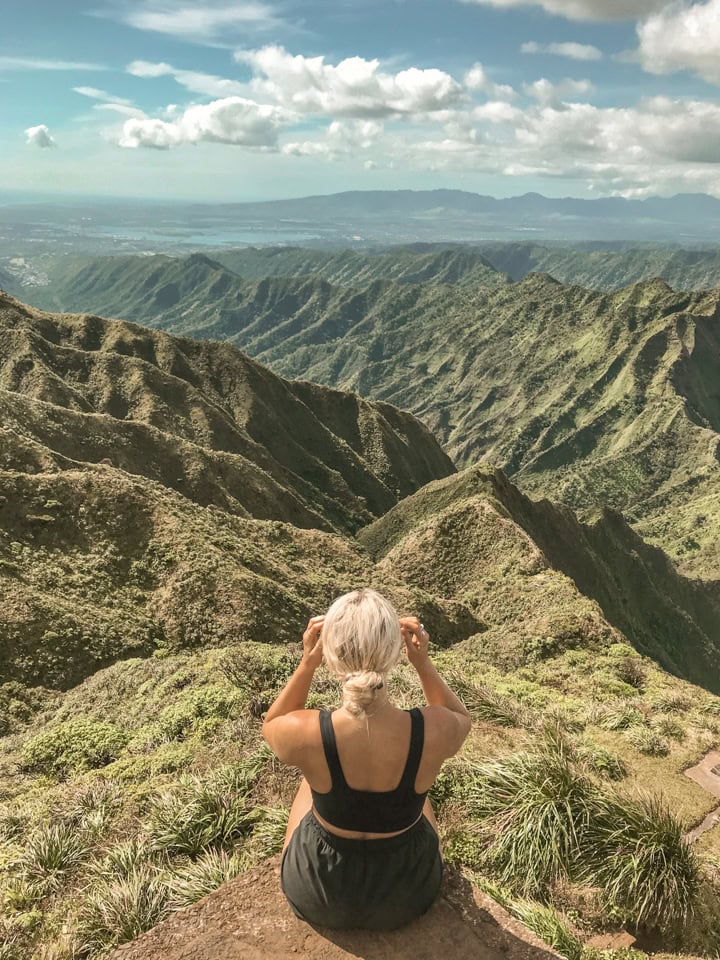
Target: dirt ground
x: 249, y: 919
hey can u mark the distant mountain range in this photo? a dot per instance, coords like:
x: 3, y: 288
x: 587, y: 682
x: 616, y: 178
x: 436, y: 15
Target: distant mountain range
x: 149, y: 459
x: 585, y: 396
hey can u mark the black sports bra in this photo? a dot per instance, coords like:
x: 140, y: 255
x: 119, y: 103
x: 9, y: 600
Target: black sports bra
x: 371, y: 811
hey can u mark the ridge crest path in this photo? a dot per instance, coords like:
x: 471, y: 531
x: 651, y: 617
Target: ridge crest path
x: 249, y: 918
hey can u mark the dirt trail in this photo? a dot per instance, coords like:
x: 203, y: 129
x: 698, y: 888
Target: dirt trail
x: 249, y: 919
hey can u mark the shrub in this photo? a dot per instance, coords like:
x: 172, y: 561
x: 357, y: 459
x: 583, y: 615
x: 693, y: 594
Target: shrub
x: 53, y: 852
x: 203, y: 876
x: 536, y: 807
x: 636, y: 852
x: 120, y: 910
x: 631, y: 670
x: 260, y: 670
x: 78, y: 744
x: 484, y: 704
x: 125, y: 859
x: 199, y: 815
x: 603, y: 762
x: 648, y: 741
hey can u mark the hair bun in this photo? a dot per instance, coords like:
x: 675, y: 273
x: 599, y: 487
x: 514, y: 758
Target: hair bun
x: 360, y: 689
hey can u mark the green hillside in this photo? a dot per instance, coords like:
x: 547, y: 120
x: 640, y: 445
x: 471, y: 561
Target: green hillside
x: 608, y: 269
x: 204, y: 419
x: 587, y: 397
x: 171, y: 513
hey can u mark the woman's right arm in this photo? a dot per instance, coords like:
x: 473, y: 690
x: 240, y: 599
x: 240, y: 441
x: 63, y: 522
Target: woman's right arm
x: 437, y: 692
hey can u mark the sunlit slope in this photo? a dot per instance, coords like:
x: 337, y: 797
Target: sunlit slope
x: 476, y: 536
x: 201, y: 418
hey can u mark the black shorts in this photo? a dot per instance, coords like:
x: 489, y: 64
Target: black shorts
x: 349, y: 884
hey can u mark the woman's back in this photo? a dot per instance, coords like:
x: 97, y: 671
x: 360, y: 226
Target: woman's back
x: 384, y: 807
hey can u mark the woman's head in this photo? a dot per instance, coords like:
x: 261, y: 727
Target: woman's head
x: 361, y: 642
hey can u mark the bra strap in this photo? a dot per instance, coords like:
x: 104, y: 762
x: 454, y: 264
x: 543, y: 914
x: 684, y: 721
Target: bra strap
x: 327, y: 733
x: 417, y: 742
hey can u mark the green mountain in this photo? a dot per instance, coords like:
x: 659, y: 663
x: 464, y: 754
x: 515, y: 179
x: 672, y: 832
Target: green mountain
x: 171, y: 513
x: 456, y: 536
x: 609, y: 267
x: 584, y: 396
x: 204, y: 419
x: 587, y: 397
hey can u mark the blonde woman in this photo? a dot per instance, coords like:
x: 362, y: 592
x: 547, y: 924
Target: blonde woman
x: 361, y: 848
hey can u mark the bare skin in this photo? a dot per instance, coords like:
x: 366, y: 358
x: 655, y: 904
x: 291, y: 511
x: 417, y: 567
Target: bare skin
x: 293, y: 733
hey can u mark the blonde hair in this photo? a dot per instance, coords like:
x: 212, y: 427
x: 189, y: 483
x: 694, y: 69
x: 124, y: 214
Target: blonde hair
x: 361, y: 643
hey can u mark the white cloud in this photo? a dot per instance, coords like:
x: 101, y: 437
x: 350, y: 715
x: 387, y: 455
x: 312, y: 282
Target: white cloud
x: 341, y: 139
x: 556, y: 94
x: 585, y: 9
x: 354, y: 88
x: 659, y: 146
x: 477, y: 79
x: 96, y: 94
x: 575, y: 51
x: 683, y: 37
x: 199, y: 21
x: 37, y: 63
x: 39, y: 137
x: 232, y: 120
x: 203, y: 83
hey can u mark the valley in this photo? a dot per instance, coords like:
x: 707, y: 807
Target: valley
x: 178, y: 498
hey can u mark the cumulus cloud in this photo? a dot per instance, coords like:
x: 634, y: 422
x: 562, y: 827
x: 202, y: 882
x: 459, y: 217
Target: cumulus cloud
x: 232, y: 120
x: 556, y: 94
x: 683, y: 37
x: 661, y: 145
x: 96, y: 94
x: 354, y: 88
x: 206, y: 84
x: 585, y: 9
x: 575, y: 51
x: 476, y: 79
x: 341, y: 138
x: 39, y: 136
x: 198, y: 21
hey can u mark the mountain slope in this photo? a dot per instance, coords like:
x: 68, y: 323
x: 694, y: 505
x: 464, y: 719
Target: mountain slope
x: 455, y: 534
x: 608, y: 269
x: 204, y: 419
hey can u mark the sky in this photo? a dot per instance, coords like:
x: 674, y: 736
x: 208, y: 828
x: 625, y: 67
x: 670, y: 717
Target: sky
x: 235, y: 100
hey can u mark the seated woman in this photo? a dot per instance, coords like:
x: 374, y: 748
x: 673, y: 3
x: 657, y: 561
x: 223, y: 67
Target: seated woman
x: 361, y: 848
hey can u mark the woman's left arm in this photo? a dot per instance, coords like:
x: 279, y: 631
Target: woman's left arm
x: 280, y: 728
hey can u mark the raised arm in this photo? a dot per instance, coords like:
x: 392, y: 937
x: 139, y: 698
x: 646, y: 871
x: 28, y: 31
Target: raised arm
x: 437, y: 692
x: 283, y: 725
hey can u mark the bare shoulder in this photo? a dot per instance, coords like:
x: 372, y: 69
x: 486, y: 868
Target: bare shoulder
x: 292, y: 734
x: 445, y: 730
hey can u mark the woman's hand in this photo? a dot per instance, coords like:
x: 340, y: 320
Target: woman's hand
x: 312, y: 642
x: 416, y: 640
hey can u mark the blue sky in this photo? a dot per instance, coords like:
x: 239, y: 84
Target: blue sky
x: 255, y: 99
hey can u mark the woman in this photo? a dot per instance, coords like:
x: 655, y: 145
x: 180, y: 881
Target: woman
x: 361, y: 848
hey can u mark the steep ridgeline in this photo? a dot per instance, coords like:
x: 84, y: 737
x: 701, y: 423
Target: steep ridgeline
x: 162, y: 289
x: 462, y: 265
x: 453, y: 538
x: 608, y: 268
x: 203, y: 419
x: 583, y: 396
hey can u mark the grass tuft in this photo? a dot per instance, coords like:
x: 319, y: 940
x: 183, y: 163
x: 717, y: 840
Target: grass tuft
x: 121, y: 909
